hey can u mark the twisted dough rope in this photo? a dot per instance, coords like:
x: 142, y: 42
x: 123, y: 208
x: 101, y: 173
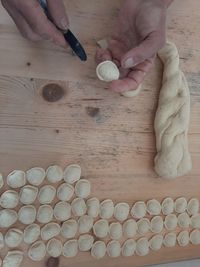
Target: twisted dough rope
x: 172, y: 118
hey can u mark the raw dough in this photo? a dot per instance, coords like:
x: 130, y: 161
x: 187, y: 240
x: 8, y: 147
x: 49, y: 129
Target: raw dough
x: 98, y: 250
x: 170, y: 240
x: 142, y: 246
x: 138, y: 210
x: 28, y: 194
x: 35, y: 176
x: 183, y: 238
x: 93, y: 205
x: 1, y: 241
x: 107, y: 71
x: 172, y: 118
x: 50, y: 230
x: 155, y: 243
x: 7, y: 218
x: 85, y: 224
x: 31, y: 233
x: 167, y: 206
x: 180, y: 205
x: 69, y: 229
x: 27, y: 214
x: 16, y: 179
x: 121, y: 211
x: 1, y: 182
x: 9, y: 199
x: 195, y: 221
x: 45, y: 214
x: 128, y: 248
x: 184, y: 220
x: 193, y: 206
x: 130, y: 228
x: 113, y: 249
x: 62, y: 211
x: 195, y: 237
x: 79, y: 207
x: 13, y: 259
x: 13, y: 238
x: 46, y: 194
x: 54, y: 247
x: 101, y: 228
x: 37, y: 251
x: 70, y: 248
x: 82, y: 188
x: 115, y: 230
x: 85, y: 242
x: 65, y: 192
x: 153, y: 207
x: 54, y: 174
x: 106, y: 209
x: 72, y: 173
x: 171, y: 222
x: 157, y: 224
x: 143, y: 226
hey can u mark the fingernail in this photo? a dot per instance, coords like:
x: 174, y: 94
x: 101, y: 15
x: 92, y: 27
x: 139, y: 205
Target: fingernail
x: 64, y: 23
x: 129, y: 63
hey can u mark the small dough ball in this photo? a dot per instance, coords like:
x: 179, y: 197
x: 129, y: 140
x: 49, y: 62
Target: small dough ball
x: 153, y: 207
x: 184, y: 220
x: 37, y: 251
x: 54, y: 247
x: 183, y: 238
x: 35, y: 176
x: 62, y: 211
x: 50, y: 230
x: 13, y: 238
x: 70, y: 248
x: 28, y: 194
x: 54, y: 174
x: 93, y: 205
x: 16, y: 179
x: 7, y: 218
x: 195, y: 237
x: 1, y: 182
x: 180, y: 205
x: 101, y: 228
x: 193, y: 206
x: 195, y: 221
x: 107, y: 71
x: 85, y: 224
x: 142, y: 246
x: 9, y: 199
x: 31, y: 233
x: 46, y: 194
x: 167, y: 206
x: 27, y: 214
x: 2, y: 244
x: 98, y: 250
x: 121, y: 211
x: 155, y: 243
x: 65, y: 192
x: 69, y: 229
x: 85, y: 242
x: 130, y: 228
x: 128, y: 248
x: 13, y: 258
x: 171, y: 222
x: 170, y: 240
x: 115, y: 230
x: 114, y: 249
x: 79, y: 207
x: 157, y: 224
x: 143, y: 226
x: 106, y: 209
x: 82, y: 188
x: 72, y: 173
x: 138, y: 210
x: 45, y: 214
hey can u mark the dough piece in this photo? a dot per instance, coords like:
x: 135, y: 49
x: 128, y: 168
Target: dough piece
x: 130, y: 228
x: 98, y: 250
x: 195, y: 237
x: 138, y: 210
x: 101, y: 228
x: 155, y: 243
x: 171, y: 222
x: 172, y: 118
x: 79, y: 207
x: 82, y: 188
x: 16, y: 179
x: 195, y: 221
x: 114, y: 249
x: 1, y: 241
x: 121, y: 211
x: 62, y: 211
x: 70, y: 248
x: 184, y: 220
x: 85, y: 224
x: 46, y: 194
x: 169, y: 240
x: 13, y: 238
x: 50, y: 230
x: 72, y: 173
x: 183, y: 238
x: 7, y: 218
x: 69, y: 229
x: 28, y: 194
x: 9, y: 199
x: 54, y: 247
x: 27, y: 214
x: 153, y: 207
x: 1, y: 182
x: 142, y: 247
x: 54, y: 174
x: 128, y: 248
x: 37, y: 251
x: 85, y: 242
x: 65, y: 192
x: 132, y: 93
x: 93, y: 206
x: 193, y: 206
x: 106, y: 209
x: 167, y: 206
x: 107, y: 71
x: 180, y: 205
x: 45, y: 214
x: 115, y: 230
x: 31, y: 233
x: 143, y: 226
x: 13, y: 258
x: 35, y: 176
x: 157, y: 224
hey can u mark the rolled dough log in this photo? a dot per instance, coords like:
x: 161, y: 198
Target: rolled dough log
x: 172, y: 118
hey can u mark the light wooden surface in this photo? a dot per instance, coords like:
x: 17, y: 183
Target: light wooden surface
x: 115, y: 147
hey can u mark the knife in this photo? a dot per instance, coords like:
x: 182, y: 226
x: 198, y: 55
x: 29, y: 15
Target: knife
x: 68, y: 35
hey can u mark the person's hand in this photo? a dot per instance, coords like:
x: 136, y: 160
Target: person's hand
x: 139, y: 34
x: 32, y: 21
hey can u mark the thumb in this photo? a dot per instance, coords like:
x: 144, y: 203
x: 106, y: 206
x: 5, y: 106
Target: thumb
x: 147, y: 49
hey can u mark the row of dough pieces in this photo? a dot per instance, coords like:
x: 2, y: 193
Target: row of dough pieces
x: 141, y: 247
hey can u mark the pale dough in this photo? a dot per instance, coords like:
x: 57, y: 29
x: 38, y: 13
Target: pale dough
x: 128, y: 248
x: 13, y: 238
x: 79, y: 207
x: 180, y: 205
x: 155, y: 243
x: 170, y: 240
x: 54, y: 174
x: 172, y: 118
x: 65, y: 192
x: 85, y: 224
x: 153, y: 207
x: 121, y: 211
x: 138, y: 210
x: 93, y: 206
x: 46, y: 194
x: 27, y: 214
x: 37, y: 251
x: 85, y: 242
x: 195, y: 237
x: 170, y: 222
x: 2, y: 243
x: 62, y: 211
x: 28, y: 194
x: 72, y: 173
x: 70, y: 248
x: 1, y: 182
x: 13, y: 259
x: 184, y: 220
x: 193, y: 206
x: 142, y: 246
x: 130, y: 228
x: 82, y: 188
x: 113, y: 249
x: 106, y: 209
x: 157, y: 224
x: 31, y: 233
x: 9, y: 199
x: 98, y: 250
x: 35, y: 176
x: 69, y: 228
x: 143, y: 226
x: 50, y: 230
x: 195, y: 221
x: 115, y: 230
x: 45, y: 214
x: 16, y: 179
x: 101, y: 228
x: 183, y: 238
x: 54, y: 247
x: 167, y: 206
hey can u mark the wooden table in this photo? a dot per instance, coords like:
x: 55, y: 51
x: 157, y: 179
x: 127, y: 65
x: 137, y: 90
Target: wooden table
x: 110, y: 136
